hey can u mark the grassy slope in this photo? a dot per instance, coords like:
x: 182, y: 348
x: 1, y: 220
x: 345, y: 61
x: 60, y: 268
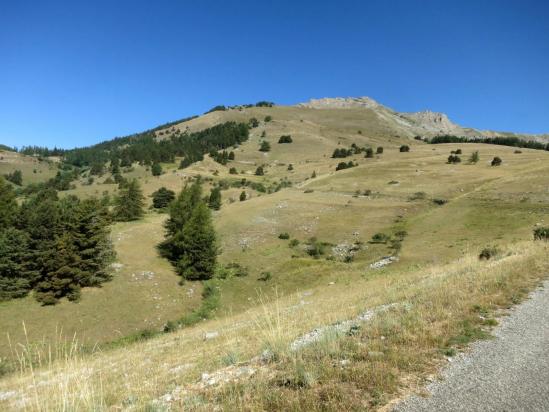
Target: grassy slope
x: 486, y: 206
x: 134, y: 300
x: 34, y: 171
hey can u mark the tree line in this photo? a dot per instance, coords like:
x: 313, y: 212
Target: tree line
x: 499, y: 140
x: 146, y: 149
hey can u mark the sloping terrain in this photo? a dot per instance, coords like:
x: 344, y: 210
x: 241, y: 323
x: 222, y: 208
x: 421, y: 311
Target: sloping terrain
x: 433, y: 283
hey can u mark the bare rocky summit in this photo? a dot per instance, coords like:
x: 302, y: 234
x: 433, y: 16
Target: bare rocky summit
x: 424, y: 123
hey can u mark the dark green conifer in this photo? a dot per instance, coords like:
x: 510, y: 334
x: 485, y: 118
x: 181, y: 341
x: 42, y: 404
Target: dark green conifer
x: 214, y: 201
x: 129, y: 203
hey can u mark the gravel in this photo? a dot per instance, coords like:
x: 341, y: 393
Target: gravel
x: 508, y: 373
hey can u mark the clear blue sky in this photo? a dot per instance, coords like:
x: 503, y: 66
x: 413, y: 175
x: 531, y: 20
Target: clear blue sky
x: 73, y: 73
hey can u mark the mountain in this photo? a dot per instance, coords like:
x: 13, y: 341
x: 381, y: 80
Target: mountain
x: 348, y: 271
x: 425, y: 123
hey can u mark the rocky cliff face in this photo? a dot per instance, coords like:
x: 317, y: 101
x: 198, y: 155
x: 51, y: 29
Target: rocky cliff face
x: 433, y: 122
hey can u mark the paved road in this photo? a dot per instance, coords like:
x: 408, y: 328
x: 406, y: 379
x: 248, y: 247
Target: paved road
x: 509, y: 373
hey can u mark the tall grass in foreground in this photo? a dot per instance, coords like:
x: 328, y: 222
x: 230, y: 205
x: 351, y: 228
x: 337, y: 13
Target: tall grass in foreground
x: 441, y: 308
x: 36, y: 361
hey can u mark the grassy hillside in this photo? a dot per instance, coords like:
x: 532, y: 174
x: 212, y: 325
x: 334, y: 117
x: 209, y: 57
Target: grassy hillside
x: 33, y: 169
x: 438, y: 284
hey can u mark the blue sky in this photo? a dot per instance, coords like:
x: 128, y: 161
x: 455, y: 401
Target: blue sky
x: 73, y: 73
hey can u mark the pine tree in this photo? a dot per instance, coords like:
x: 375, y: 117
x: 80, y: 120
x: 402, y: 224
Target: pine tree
x: 180, y: 211
x: 129, y: 203
x: 197, y: 241
x: 259, y: 171
x: 92, y: 243
x: 62, y: 273
x: 181, y: 208
x: 16, y: 274
x: 214, y: 202
x: 115, y: 166
x: 231, y: 155
x: 369, y: 152
x: 8, y: 205
x: 243, y: 196
x: 156, y: 169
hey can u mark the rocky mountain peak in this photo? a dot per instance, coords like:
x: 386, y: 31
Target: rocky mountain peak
x: 341, y: 103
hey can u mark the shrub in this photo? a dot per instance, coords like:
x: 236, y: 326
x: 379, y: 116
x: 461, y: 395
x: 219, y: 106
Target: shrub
x: 341, y: 153
x: 518, y: 151
x: 474, y: 157
x: 253, y: 122
x: 265, y: 146
x: 285, y: 139
x: 440, y: 202
x: 16, y: 177
x: 233, y: 171
x: 488, y: 252
x: 268, y: 118
x: 369, y: 152
x: 259, y: 171
x: 343, y: 165
x: 418, y: 138
x: 243, y: 196
x: 265, y: 276
x: 237, y: 269
x: 404, y: 148
x: 162, y: 198
x: 401, y: 234
x: 396, y: 245
x: 418, y: 196
x: 541, y: 233
x: 453, y: 159
x: 315, y: 248
x: 496, y: 161
x: 284, y: 236
x: 367, y: 192
x: 458, y: 151
x: 293, y: 243
x: 290, y: 167
x: 380, y: 238
x: 379, y: 150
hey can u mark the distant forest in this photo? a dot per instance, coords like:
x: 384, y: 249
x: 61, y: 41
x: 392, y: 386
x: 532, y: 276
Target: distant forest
x: 500, y: 140
x: 145, y: 148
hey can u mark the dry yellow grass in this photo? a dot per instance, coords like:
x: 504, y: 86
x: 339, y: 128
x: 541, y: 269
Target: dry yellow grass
x: 441, y: 303
x: 439, y: 283
x: 144, y: 294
